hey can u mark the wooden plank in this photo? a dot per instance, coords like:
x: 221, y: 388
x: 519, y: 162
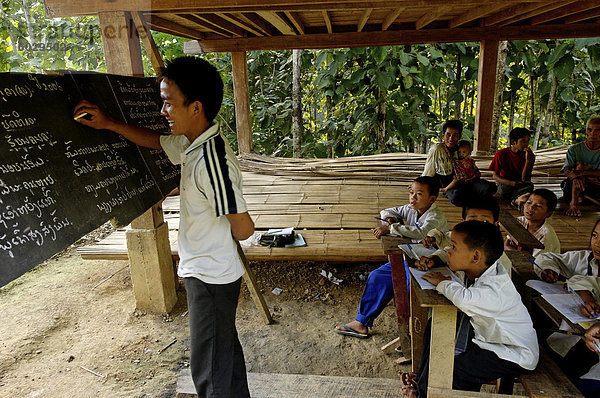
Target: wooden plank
x: 242, y: 101
x: 565, y: 11
x: 583, y: 16
x: 255, y: 293
x: 475, y: 13
x: 441, y: 356
x: 486, y: 87
x: 239, y: 22
x: 394, y: 37
x: 429, y: 17
x: 148, y: 41
x: 391, y: 18
x: 537, y: 11
x: 516, y: 230
x: 363, y: 19
x: 159, y: 23
x: 222, y: 24
x: 294, y: 17
x: 206, y: 25
x: 278, y: 22
x: 257, y: 21
x: 433, y: 392
x: 418, y: 322
x: 327, y: 21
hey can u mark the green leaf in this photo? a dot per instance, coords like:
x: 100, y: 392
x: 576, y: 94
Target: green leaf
x: 423, y: 60
x: 563, y: 69
x: 384, y: 80
x: 557, y: 54
x: 408, y: 81
x: 320, y: 58
x: 567, y: 95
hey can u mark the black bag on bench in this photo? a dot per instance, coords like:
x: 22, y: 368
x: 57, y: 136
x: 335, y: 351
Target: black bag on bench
x: 277, y: 240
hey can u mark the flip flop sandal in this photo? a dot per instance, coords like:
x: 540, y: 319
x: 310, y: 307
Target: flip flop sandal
x: 352, y: 333
x: 409, y: 379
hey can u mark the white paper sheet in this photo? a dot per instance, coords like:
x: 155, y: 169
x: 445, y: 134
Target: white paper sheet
x: 419, y: 249
x: 418, y: 274
x: 567, y: 305
x: 547, y: 288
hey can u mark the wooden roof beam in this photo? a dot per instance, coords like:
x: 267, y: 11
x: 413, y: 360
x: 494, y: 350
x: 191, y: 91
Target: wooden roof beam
x: 148, y: 41
x: 583, y: 16
x: 295, y: 19
x: 363, y: 19
x: 208, y: 26
x: 394, y: 37
x: 237, y: 21
x: 510, y: 12
x: 274, y: 19
x: 391, y: 18
x: 565, y: 11
x: 475, y: 13
x: 257, y: 22
x: 174, y: 28
x: 428, y: 18
x: 537, y: 11
x: 223, y: 24
x: 327, y: 21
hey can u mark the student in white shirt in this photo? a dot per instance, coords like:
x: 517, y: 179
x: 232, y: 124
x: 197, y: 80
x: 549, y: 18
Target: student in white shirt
x: 575, y: 262
x: 486, y: 210
x: 400, y: 221
x: 539, y: 207
x: 504, y: 342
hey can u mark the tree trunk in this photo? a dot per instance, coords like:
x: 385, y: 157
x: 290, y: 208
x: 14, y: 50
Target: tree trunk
x: 28, y: 20
x: 538, y: 129
x: 297, y: 125
x: 511, y: 116
x: 472, y: 105
x: 328, y: 106
x: 532, y: 98
x: 457, y: 104
x: 381, y: 105
x: 549, y: 112
x: 499, y: 93
x: 13, y: 42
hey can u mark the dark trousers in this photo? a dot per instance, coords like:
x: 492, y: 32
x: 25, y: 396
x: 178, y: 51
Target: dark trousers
x: 472, y: 368
x: 465, y: 192
x: 217, y: 359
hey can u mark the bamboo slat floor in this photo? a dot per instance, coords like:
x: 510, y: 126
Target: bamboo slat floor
x: 332, y: 202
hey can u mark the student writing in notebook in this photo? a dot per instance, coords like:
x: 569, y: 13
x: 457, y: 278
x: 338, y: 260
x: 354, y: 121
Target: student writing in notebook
x: 401, y: 221
x: 501, y: 340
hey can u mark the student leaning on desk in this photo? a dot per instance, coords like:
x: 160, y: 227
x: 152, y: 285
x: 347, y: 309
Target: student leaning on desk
x: 501, y: 340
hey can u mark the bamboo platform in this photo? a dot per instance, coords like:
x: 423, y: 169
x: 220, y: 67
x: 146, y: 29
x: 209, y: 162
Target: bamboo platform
x: 332, y: 202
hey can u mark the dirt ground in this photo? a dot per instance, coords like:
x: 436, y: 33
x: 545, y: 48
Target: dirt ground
x: 63, y: 337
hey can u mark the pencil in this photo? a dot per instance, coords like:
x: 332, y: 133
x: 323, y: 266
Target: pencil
x: 580, y: 300
x: 536, y: 264
x: 413, y: 251
x: 381, y: 219
x: 423, y: 234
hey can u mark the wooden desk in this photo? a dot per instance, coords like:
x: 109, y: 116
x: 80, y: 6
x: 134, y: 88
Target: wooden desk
x: 555, y: 316
x: 516, y: 230
x: 443, y: 326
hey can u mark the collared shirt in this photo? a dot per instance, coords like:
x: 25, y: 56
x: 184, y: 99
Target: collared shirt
x: 210, y: 188
x: 430, y: 219
x: 546, y: 235
x: 500, y: 320
x: 568, y: 264
x: 438, y: 162
x: 581, y: 153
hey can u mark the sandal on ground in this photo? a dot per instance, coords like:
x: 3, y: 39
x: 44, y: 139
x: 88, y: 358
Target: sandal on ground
x: 409, y: 379
x: 348, y: 331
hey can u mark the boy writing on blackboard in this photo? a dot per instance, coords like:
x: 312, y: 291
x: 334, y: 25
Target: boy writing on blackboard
x: 213, y: 214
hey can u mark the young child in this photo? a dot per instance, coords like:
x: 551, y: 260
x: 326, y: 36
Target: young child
x: 512, y: 166
x: 539, y: 206
x: 465, y: 169
x: 503, y: 341
x: 478, y: 210
x: 401, y: 221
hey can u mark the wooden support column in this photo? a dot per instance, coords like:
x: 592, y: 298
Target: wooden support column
x: 242, y: 101
x: 486, y: 86
x: 150, y: 259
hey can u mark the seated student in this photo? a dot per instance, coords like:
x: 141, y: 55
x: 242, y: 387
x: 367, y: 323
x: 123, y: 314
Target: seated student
x: 478, y: 210
x: 512, y: 166
x: 538, y: 207
x: 579, y: 363
x: 466, y: 172
x: 400, y: 221
x: 502, y: 341
x: 582, y: 168
x: 575, y: 262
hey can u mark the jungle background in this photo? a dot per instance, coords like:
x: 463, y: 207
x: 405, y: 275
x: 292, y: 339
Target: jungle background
x: 350, y: 102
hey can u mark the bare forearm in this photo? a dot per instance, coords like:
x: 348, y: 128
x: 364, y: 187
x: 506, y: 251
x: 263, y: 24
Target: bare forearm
x: 138, y: 135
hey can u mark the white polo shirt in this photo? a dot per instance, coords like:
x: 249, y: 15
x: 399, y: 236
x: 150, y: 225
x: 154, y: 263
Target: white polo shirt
x: 210, y: 188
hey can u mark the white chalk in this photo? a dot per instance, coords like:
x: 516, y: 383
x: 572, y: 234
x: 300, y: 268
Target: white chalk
x: 84, y: 114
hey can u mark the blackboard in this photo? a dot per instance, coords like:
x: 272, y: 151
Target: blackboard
x: 59, y: 179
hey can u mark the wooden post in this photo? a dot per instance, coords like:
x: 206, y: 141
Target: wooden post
x: 150, y: 260
x: 242, y: 101
x: 442, y: 352
x: 486, y: 87
x: 250, y: 280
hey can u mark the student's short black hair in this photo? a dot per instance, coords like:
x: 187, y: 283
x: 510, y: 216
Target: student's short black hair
x: 198, y: 80
x: 490, y: 204
x: 462, y: 143
x: 453, y: 124
x: 433, y: 186
x: 551, y: 199
x: 518, y: 133
x: 483, y: 236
